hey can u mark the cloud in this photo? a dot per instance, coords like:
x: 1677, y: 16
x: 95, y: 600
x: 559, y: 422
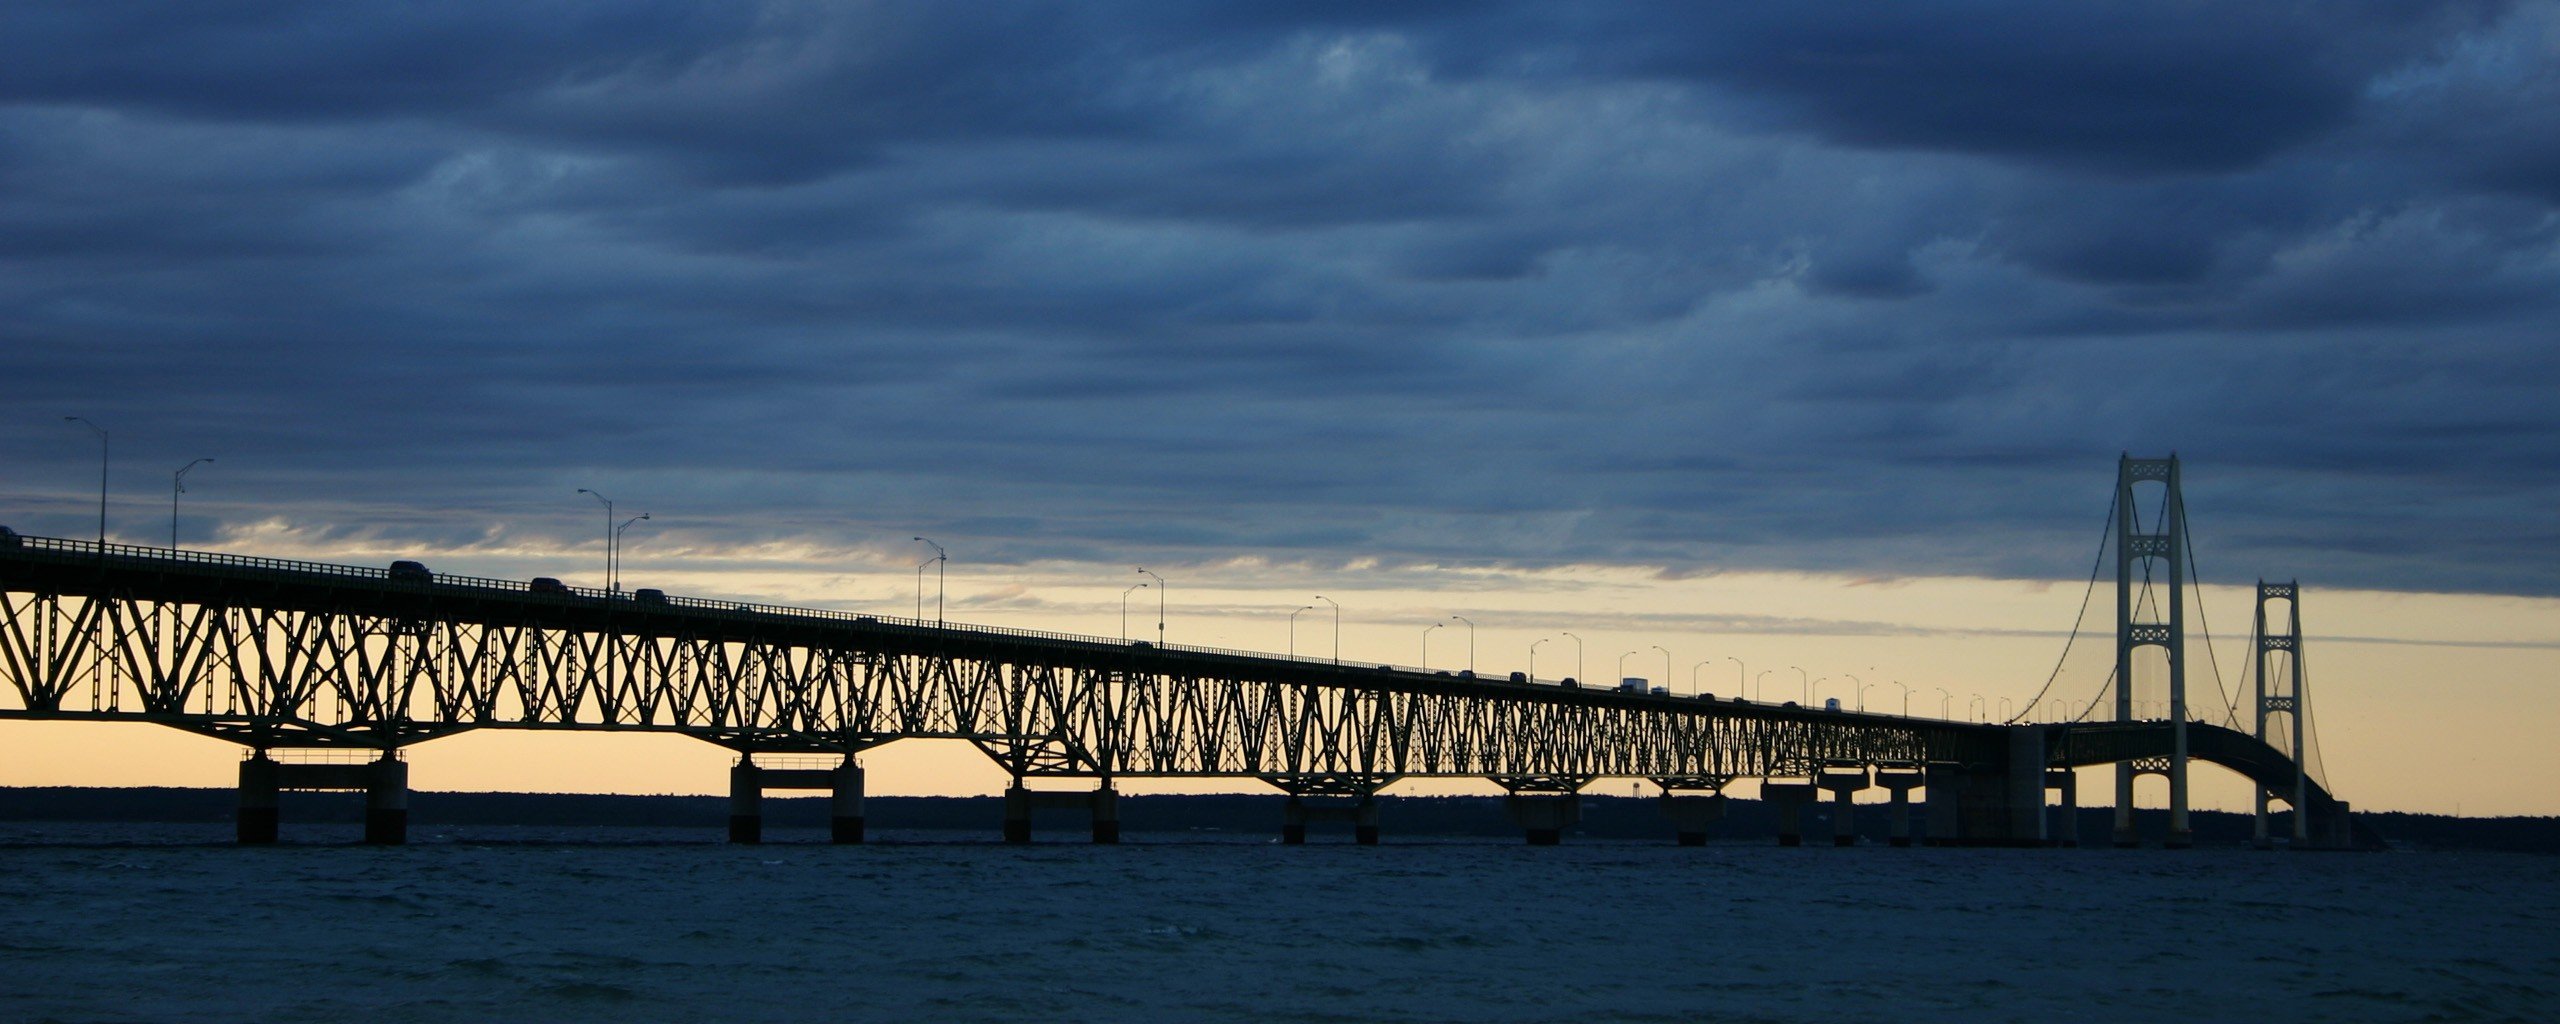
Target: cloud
x: 1698, y: 289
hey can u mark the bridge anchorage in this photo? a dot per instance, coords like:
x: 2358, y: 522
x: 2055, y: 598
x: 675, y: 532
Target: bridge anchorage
x: 327, y: 674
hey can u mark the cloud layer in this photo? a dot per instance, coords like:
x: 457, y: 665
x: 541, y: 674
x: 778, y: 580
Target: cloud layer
x: 1878, y: 292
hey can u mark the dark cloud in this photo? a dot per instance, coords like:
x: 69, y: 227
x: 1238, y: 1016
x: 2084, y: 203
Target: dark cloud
x: 1696, y: 287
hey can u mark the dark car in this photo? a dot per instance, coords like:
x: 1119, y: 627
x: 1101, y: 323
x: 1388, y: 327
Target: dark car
x: 547, y: 585
x: 1519, y: 677
x: 1571, y: 683
x: 8, y: 537
x: 411, y: 572
x: 649, y: 595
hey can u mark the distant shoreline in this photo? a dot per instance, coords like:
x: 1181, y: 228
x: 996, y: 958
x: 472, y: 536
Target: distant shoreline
x: 1603, y: 817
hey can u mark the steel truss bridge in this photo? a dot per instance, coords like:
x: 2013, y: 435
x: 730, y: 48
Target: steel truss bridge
x: 286, y: 657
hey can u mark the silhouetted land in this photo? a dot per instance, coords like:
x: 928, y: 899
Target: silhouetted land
x: 1605, y: 817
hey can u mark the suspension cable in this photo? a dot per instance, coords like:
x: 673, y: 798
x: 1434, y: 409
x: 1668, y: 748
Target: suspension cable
x: 2195, y: 579
x: 2104, y: 532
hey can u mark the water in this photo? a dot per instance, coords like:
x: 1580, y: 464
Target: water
x: 167, y: 923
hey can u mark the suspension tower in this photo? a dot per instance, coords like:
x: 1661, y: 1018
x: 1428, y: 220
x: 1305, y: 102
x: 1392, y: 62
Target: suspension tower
x: 2142, y: 548
x: 2281, y: 692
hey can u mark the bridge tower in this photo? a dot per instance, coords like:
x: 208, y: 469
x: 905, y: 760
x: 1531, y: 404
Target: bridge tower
x: 2141, y: 549
x: 2282, y: 692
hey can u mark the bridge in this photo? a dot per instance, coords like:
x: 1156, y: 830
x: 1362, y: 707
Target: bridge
x: 324, y: 673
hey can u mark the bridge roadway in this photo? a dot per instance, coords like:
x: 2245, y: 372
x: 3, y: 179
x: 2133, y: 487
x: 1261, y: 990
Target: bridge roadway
x: 290, y: 656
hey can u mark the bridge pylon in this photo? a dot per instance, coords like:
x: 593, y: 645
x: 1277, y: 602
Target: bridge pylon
x: 2144, y: 620
x: 2281, y: 692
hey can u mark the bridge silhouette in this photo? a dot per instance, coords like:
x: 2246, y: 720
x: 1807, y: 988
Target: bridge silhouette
x: 324, y: 673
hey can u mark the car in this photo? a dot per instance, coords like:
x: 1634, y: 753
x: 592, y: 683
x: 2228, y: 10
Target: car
x: 9, y: 538
x: 547, y: 585
x: 1570, y: 683
x: 411, y: 572
x: 649, y: 595
x: 1706, y: 696
x: 1467, y: 674
x: 1519, y: 677
x: 1788, y: 704
x: 1662, y: 691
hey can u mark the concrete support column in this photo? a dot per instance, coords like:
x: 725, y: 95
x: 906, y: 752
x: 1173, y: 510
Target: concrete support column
x: 1106, y: 815
x: 1844, y: 787
x: 1692, y: 815
x: 1898, y: 786
x: 746, y: 801
x: 1945, y: 801
x: 258, y: 788
x: 2025, y: 825
x: 1017, y: 813
x: 1293, y: 822
x: 844, y: 818
x: 2068, y: 781
x: 1790, y: 799
x: 1364, y: 821
x: 1543, y: 817
x: 386, y: 802
x: 2125, y: 836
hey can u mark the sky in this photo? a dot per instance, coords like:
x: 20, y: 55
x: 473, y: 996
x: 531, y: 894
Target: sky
x: 1700, y: 325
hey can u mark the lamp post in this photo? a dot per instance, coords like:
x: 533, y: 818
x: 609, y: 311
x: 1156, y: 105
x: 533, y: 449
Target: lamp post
x: 1293, y: 630
x: 1159, y: 603
x: 1740, y: 671
x: 1124, y: 609
x: 1533, y: 656
x: 1945, y: 697
x: 1807, y: 679
x: 102, y: 476
x: 1862, y: 696
x: 1696, y: 687
x: 617, y: 549
x: 1426, y: 644
x: 1862, y: 684
x: 1622, y: 670
x: 1760, y: 684
x: 2004, y: 708
x: 1666, y: 669
x: 1580, y: 671
x: 608, y: 534
x: 1471, y: 642
x: 178, y: 486
x: 1968, y: 706
x: 1337, y: 627
x: 1906, y: 698
x: 940, y: 560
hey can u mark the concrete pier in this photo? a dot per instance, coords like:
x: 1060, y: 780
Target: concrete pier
x: 1361, y: 812
x: 2067, y: 831
x: 1543, y: 817
x: 1898, y: 785
x: 258, y: 818
x: 386, y: 802
x: 748, y: 782
x: 1844, y: 786
x: 383, y: 781
x: 1790, y: 798
x: 1101, y: 805
x: 746, y: 802
x: 1692, y: 814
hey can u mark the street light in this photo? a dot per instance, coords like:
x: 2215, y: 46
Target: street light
x: 1293, y: 630
x: 1694, y: 685
x: 1760, y: 684
x: 1337, y: 627
x: 1853, y: 677
x: 1968, y: 706
x: 1533, y: 656
x: 939, y: 561
x: 1807, y: 678
x: 617, y: 549
x: 1580, y: 672
x: 1622, y: 669
x: 608, y: 534
x: 178, y: 486
x: 1666, y: 670
x: 1426, y: 644
x: 1906, y: 698
x: 1124, y: 610
x: 102, y: 476
x: 1471, y: 642
x: 1159, y: 603
x: 1739, y: 671
x: 1945, y: 697
x: 1862, y: 695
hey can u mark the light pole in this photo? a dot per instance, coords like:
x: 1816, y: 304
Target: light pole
x: 1666, y: 670
x: 1337, y: 627
x: 1945, y: 698
x: 617, y: 549
x: 1862, y: 696
x: 178, y: 486
x: 1293, y: 630
x: 1968, y: 706
x: 1471, y: 642
x: 1159, y: 603
x: 1807, y: 679
x: 1426, y: 644
x: 1622, y: 670
x: 940, y: 560
x: 1533, y: 656
x: 2004, y: 708
x: 1124, y: 610
x: 1760, y: 685
x: 1906, y: 698
x: 1696, y: 687
x: 102, y: 476
x: 1862, y: 688
x: 1581, y: 673
x: 1740, y: 670
x: 1816, y: 688
x: 608, y: 534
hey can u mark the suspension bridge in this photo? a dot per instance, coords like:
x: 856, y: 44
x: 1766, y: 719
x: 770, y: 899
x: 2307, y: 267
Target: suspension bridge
x: 324, y: 674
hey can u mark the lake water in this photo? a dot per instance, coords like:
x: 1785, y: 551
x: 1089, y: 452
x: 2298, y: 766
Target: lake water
x: 168, y: 923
